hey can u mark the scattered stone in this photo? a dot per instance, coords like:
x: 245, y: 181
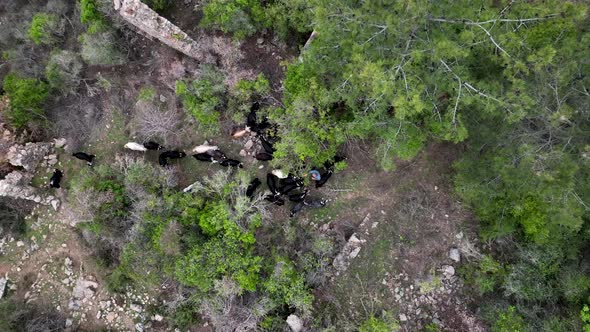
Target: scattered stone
x: 259, y: 41
x: 455, y: 255
x: 448, y: 270
x: 403, y: 318
x: 3, y: 282
x: 20, y: 243
x: 243, y: 153
x: 84, y: 289
x: 158, y: 318
x: 60, y: 142
x: 295, y: 323
x: 69, y: 322
x: 354, y: 253
x: 139, y: 327
x: 249, y: 145
x: 136, y: 308
x: 111, y: 316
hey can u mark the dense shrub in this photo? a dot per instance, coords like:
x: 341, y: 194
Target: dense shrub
x: 43, y: 28
x: 27, y: 96
x: 203, y: 97
x: 242, y: 18
x: 92, y: 17
x: 373, y: 324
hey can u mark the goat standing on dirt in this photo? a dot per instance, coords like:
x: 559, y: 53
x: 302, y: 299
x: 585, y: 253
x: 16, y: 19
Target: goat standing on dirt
x: 88, y: 158
x: 55, y: 179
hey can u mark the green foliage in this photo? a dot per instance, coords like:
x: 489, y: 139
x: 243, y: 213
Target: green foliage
x: 288, y: 16
x: 509, y: 321
x: 286, y: 285
x: 92, y: 17
x: 63, y: 71
x: 585, y: 317
x: 384, y: 324
x: 227, y: 252
x: 158, y: 5
x: 241, y: 18
x: 202, y: 98
x: 27, y: 96
x: 43, y: 28
x: 146, y: 94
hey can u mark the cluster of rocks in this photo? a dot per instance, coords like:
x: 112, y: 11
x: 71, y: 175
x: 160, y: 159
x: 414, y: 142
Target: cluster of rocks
x: 252, y: 145
x: 353, y: 246
x: 30, y: 157
x: 132, y: 306
x: 421, y: 302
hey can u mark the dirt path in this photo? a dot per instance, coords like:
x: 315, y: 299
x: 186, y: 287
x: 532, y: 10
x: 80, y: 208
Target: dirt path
x: 413, y: 221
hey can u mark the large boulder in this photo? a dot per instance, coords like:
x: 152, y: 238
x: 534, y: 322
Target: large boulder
x: 29, y: 155
x: 295, y: 323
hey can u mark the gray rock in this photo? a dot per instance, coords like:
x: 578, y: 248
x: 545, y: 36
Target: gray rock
x: 295, y: 323
x: 69, y: 322
x: 3, y: 282
x: 455, y: 255
x: 60, y: 142
x: 448, y: 271
x: 139, y: 327
x: 403, y: 318
x: 249, y: 145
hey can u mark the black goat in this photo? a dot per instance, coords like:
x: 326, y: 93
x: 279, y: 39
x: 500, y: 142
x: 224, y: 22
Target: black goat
x: 164, y: 156
x: 298, y: 197
x: 286, y: 188
x: 151, y: 145
x: 274, y: 199
x: 88, y: 158
x: 218, y: 155
x: 55, y: 179
x: 324, y: 178
x: 291, y: 179
x: 318, y: 203
x: 204, y: 157
x: 263, y: 156
x: 231, y: 163
x: 296, y: 208
x: 266, y: 145
x: 252, y: 187
x: 272, y: 181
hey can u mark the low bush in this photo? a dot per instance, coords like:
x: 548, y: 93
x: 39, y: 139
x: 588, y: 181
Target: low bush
x: 43, y: 29
x: 27, y: 96
x: 241, y: 18
x: 203, y: 98
x: 383, y: 324
x: 63, y: 71
x: 92, y: 17
x: 100, y: 48
x: 158, y: 5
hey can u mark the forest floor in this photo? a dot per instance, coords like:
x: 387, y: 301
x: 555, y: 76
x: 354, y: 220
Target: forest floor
x: 402, y: 266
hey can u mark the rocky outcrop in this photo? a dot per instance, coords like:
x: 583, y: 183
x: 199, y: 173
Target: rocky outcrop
x: 29, y: 155
x: 353, y: 247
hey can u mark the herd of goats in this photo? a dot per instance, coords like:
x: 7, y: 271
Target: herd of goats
x: 280, y: 185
